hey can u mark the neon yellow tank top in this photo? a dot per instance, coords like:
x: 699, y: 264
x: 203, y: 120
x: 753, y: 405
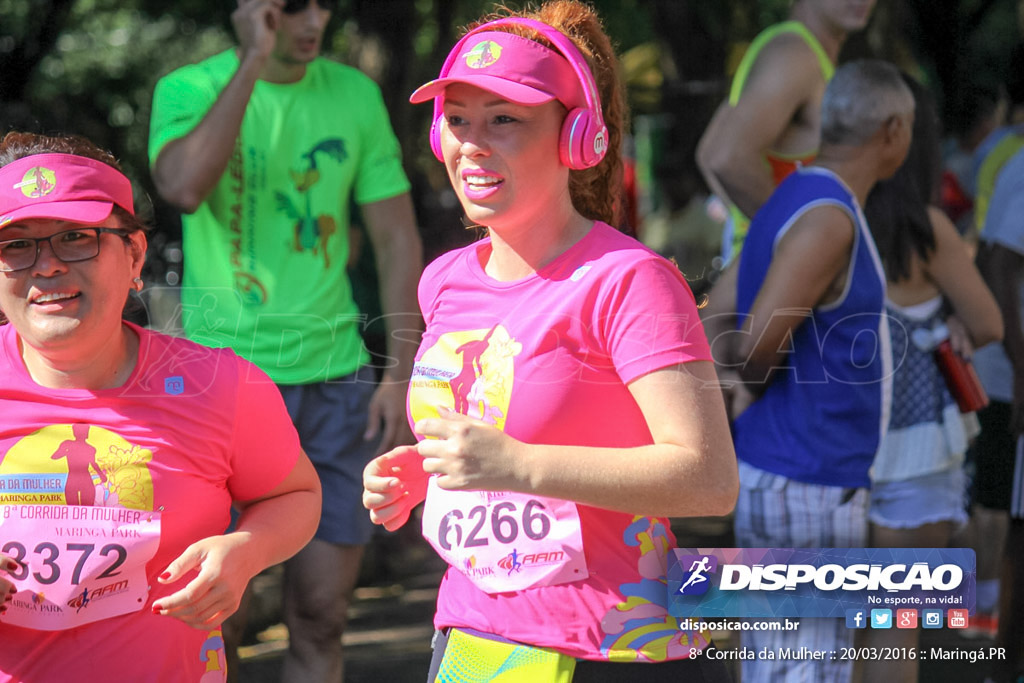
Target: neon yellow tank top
x: 781, y: 165
x: 988, y: 173
x: 766, y: 36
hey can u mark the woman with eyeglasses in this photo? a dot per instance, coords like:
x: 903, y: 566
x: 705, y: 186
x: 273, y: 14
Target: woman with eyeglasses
x: 121, y: 450
x: 563, y: 390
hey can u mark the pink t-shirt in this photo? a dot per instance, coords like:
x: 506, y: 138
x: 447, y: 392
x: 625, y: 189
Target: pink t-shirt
x: 548, y: 360
x: 91, y: 481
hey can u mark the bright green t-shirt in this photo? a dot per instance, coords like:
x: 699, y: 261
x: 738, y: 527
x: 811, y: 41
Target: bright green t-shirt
x: 265, y: 253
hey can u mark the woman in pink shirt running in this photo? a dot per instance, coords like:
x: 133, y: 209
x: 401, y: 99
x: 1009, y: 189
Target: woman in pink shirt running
x: 589, y: 410
x: 121, y: 450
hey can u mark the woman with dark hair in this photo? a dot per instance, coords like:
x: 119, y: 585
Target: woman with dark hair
x: 560, y: 386
x: 918, y: 484
x: 121, y: 450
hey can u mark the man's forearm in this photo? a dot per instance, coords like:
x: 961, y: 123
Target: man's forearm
x: 190, y: 167
x: 1013, y: 337
x: 746, y: 183
x: 734, y: 173
x: 391, y: 226
x: 399, y: 264
x: 1002, y: 270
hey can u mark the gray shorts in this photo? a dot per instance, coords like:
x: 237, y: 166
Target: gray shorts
x: 330, y: 418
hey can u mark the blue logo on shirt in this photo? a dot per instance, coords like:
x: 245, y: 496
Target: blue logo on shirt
x: 174, y: 385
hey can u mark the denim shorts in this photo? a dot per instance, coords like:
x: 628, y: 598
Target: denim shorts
x: 909, y: 503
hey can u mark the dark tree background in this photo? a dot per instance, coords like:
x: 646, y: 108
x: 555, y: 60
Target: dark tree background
x: 89, y: 66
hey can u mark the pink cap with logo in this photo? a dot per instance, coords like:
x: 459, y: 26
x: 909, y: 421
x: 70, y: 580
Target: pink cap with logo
x: 514, y: 68
x: 61, y: 187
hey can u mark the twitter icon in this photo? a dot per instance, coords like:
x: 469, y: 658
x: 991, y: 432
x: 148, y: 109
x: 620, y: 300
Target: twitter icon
x: 881, y: 618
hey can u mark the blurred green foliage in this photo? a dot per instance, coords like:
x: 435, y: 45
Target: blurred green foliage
x: 89, y: 66
x: 97, y: 76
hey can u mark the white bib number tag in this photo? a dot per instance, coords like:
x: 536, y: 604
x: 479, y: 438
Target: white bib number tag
x: 505, y: 542
x: 79, y: 563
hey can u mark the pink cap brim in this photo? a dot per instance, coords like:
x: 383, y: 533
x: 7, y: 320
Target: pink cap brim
x: 64, y: 187
x: 78, y: 212
x: 508, y: 90
x: 514, y: 68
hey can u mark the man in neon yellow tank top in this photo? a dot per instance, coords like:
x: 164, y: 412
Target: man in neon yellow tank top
x: 1001, y: 144
x: 770, y: 122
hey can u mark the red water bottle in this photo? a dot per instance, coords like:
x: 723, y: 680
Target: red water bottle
x: 961, y: 379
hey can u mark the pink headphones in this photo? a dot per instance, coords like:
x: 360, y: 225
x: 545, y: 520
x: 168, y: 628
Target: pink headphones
x: 584, y: 138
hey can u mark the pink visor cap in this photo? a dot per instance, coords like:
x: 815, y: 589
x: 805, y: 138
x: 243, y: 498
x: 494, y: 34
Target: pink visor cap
x: 61, y: 187
x: 517, y: 69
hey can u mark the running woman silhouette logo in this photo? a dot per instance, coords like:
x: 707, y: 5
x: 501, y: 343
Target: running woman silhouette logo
x: 80, y: 601
x: 80, y: 455
x: 37, y: 182
x: 472, y: 372
x: 695, y: 581
x: 483, y: 55
x: 511, y: 562
x: 76, y: 464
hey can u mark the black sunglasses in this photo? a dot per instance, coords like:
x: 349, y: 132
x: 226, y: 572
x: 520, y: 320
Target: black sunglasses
x: 296, y: 6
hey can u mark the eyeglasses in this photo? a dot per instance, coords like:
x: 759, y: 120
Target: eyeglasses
x: 79, y: 244
x: 296, y: 6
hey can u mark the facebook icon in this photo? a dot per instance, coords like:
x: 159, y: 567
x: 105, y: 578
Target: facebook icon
x: 856, y: 618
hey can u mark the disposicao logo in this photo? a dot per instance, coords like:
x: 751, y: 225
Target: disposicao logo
x: 809, y: 582
x: 695, y: 578
x: 483, y: 54
x: 38, y: 181
x: 894, y: 577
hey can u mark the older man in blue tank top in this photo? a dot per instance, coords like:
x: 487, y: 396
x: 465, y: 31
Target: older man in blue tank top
x: 813, y: 345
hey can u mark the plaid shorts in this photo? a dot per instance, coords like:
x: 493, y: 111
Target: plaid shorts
x: 776, y: 512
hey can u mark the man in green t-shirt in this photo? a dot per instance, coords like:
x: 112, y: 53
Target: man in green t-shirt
x: 262, y: 148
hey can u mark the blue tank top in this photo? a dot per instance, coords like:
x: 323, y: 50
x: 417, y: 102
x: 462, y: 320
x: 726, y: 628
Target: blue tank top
x: 822, y: 416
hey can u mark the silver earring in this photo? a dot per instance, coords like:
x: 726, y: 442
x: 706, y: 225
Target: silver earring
x: 138, y: 283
